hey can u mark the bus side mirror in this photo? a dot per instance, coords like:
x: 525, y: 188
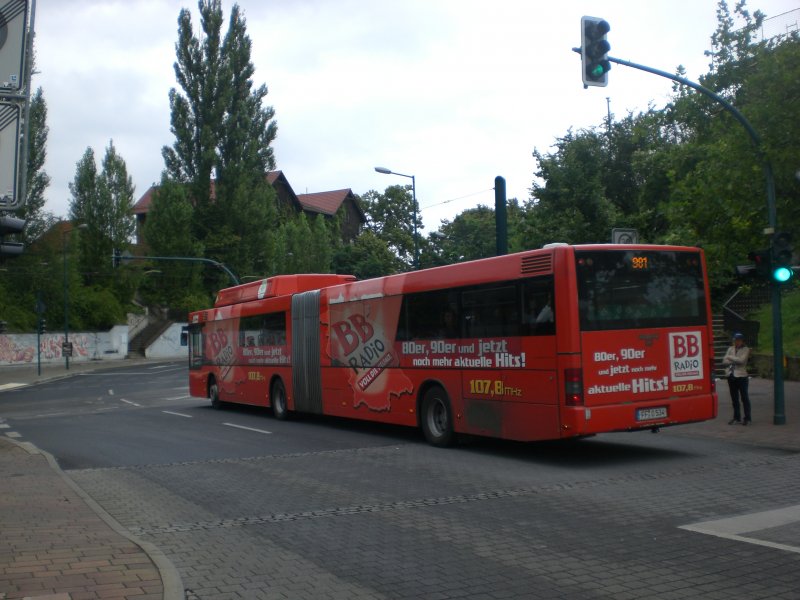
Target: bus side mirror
x: 184, y: 338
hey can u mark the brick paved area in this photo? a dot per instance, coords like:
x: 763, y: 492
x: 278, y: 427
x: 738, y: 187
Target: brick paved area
x: 54, y: 546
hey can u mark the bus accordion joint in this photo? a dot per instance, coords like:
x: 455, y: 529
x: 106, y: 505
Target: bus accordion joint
x: 573, y: 387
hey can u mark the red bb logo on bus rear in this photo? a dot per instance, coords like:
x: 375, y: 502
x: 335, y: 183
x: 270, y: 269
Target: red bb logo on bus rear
x: 685, y: 356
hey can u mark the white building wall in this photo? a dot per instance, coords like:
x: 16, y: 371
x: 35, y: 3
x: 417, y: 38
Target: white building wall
x: 168, y: 345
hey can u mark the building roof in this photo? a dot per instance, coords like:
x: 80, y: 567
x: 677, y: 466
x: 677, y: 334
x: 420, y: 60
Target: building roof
x: 326, y: 203
x: 142, y: 206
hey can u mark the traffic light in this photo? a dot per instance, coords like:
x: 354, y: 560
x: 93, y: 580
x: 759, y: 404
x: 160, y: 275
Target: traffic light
x: 10, y: 226
x: 763, y: 262
x: 594, y: 51
x: 782, y: 257
x: 116, y: 258
x: 42, y: 328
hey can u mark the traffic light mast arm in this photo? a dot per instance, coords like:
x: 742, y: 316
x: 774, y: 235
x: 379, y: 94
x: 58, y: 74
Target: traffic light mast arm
x: 234, y: 279
x: 771, y: 208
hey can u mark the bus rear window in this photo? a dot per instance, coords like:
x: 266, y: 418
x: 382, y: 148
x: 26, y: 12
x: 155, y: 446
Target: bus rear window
x: 631, y: 289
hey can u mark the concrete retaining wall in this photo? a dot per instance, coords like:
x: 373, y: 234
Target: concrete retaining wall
x: 21, y: 348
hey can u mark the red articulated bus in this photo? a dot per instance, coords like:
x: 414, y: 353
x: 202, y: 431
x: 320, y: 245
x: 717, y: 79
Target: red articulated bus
x: 560, y: 342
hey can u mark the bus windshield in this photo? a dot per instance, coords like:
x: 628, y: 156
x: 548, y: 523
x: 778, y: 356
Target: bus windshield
x: 632, y: 289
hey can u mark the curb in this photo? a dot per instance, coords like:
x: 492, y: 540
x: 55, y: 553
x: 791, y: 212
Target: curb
x: 170, y: 578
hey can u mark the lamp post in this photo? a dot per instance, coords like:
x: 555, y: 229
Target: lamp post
x: 66, y: 290
x: 386, y: 171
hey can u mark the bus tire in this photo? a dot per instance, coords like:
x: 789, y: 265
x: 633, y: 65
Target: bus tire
x: 437, y: 418
x: 213, y: 394
x: 277, y: 399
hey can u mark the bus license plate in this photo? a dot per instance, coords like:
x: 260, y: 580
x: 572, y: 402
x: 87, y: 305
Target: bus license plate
x: 648, y: 414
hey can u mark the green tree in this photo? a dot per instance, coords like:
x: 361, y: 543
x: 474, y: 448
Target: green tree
x: 168, y: 232
x: 36, y: 178
x: 469, y: 236
x: 390, y: 216
x: 572, y: 204
x: 83, y: 186
x: 104, y: 202
x: 223, y: 130
x: 366, y: 257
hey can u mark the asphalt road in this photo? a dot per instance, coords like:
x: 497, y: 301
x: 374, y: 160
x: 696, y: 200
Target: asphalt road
x: 246, y: 506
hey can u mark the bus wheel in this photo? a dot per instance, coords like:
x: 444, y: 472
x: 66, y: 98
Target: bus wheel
x: 278, y: 401
x: 437, y: 418
x: 213, y: 394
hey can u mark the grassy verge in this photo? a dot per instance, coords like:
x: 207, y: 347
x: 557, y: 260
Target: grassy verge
x: 790, y: 316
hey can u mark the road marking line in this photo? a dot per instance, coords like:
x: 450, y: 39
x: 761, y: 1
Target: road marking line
x: 110, y: 392
x: 11, y: 386
x: 177, y: 414
x: 247, y: 428
x: 129, y: 402
x: 178, y: 398
x: 732, y: 527
x: 4, y: 426
x: 13, y: 434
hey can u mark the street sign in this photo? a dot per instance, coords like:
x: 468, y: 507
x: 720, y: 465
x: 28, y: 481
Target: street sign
x: 13, y: 38
x: 621, y: 235
x: 9, y: 155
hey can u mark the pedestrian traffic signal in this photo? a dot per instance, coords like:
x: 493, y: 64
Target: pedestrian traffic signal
x: 762, y: 261
x: 782, y: 257
x: 594, y: 51
x: 10, y: 226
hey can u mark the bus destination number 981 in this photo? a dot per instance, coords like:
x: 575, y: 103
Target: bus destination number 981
x: 640, y: 263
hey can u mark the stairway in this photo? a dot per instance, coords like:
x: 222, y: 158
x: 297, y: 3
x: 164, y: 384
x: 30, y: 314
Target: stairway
x: 721, y: 343
x: 140, y: 343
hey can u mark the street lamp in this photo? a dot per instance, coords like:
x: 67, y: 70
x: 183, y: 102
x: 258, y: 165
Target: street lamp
x: 386, y: 171
x: 66, y: 290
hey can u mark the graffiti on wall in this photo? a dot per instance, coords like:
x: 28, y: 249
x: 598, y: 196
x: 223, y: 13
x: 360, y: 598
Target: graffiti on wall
x: 12, y: 351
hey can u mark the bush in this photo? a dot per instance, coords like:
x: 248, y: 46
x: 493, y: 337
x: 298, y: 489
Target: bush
x: 790, y: 317
x: 95, y: 309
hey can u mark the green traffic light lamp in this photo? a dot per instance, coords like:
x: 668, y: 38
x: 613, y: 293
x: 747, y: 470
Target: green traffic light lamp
x: 782, y: 274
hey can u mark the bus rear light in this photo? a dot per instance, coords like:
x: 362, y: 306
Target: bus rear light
x: 711, y: 369
x: 573, y: 387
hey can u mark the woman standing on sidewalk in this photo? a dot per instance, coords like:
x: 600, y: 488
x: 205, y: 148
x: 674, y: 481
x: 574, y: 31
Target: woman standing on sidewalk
x: 736, y: 360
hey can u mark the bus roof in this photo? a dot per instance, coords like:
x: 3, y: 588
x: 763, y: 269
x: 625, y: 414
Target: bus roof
x: 509, y: 266
x: 279, y: 285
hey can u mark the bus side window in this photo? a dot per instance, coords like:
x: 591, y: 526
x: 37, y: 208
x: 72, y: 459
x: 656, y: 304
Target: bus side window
x: 538, y: 307
x: 430, y: 315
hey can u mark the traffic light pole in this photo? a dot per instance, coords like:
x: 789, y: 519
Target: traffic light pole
x: 779, y: 417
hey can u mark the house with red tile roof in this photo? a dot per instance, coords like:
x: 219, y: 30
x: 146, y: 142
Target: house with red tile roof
x: 327, y: 204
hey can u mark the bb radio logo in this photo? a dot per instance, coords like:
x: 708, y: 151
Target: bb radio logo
x: 685, y: 356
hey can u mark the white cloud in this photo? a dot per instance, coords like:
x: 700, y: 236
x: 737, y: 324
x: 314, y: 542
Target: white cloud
x: 454, y: 92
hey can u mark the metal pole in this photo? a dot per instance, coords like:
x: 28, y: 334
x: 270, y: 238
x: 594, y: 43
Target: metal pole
x: 500, y: 216
x: 39, y: 311
x: 416, y: 210
x: 66, y: 298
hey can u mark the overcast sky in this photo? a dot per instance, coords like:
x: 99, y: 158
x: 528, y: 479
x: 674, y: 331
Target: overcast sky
x: 454, y: 92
